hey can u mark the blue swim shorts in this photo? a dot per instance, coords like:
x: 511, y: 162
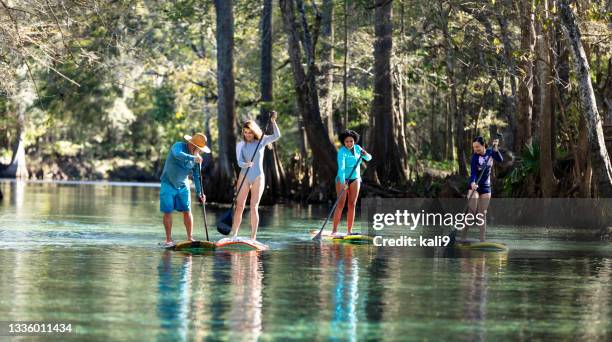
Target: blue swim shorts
x: 171, y: 198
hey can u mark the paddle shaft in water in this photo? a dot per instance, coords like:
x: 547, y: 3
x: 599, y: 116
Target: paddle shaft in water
x: 203, y: 202
x: 318, y: 236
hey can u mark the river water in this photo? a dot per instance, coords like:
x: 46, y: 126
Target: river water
x: 87, y: 254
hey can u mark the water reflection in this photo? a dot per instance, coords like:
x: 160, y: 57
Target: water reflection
x: 245, y: 316
x: 183, y: 290
x: 88, y: 254
x: 18, y: 196
x: 345, y: 290
x: 173, y: 297
x: 476, y: 268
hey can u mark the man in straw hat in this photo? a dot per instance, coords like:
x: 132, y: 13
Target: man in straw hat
x: 183, y: 159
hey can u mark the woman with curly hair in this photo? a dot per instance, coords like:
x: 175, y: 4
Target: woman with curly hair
x: 348, y: 177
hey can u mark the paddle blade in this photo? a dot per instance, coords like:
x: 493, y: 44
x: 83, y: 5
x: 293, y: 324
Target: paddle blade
x: 453, y: 238
x: 224, y: 225
x: 318, y: 236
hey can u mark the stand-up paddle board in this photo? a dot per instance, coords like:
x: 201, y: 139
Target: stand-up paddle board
x: 353, y: 238
x: 191, y: 246
x: 240, y: 244
x: 487, y: 246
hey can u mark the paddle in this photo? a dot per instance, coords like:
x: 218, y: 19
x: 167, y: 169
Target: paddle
x: 224, y: 225
x: 318, y: 236
x: 453, y: 234
x: 203, y: 202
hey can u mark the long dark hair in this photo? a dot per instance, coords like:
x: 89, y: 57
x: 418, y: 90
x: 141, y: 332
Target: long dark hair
x: 480, y: 140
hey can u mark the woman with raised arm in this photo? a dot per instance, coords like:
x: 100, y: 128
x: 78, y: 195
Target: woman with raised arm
x: 253, y: 170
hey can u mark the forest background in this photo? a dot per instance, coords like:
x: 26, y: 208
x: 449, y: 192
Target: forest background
x: 95, y: 90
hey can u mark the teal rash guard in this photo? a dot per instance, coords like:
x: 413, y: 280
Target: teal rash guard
x: 179, y: 165
x: 347, y: 161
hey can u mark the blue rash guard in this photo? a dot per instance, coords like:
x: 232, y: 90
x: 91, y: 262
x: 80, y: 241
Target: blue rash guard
x: 174, y: 193
x: 477, y: 164
x: 346, y: 163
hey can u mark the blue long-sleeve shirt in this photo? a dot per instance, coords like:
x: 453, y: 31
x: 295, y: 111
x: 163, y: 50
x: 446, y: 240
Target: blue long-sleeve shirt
x: 346, y: 162
x: 179, y: 165
x: 479, y: 162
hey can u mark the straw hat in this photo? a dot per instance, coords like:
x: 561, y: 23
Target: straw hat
x: 198, y: 140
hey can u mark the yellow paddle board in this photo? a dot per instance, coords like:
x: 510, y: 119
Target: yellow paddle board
x: 487, y: 246
x: 353, y: 238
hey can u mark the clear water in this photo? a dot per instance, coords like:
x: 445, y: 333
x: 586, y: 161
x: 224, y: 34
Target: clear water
x: 87, y: 254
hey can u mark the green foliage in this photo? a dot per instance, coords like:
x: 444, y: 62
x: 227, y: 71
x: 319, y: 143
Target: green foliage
x: 529, y: 165
x: 445, y: 165
x: 84, y: 104
x: 144, y: 73
x: 163, y: 104
x: 359, y: 100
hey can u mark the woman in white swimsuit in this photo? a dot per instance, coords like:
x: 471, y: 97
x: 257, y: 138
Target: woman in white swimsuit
x: 255, y: 177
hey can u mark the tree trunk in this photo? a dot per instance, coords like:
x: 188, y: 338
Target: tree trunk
x: 224, y: 172
x: 432, y: 120
x: 273, y: 169
x: 453, y: 110
x: 384, y: 139
x: 607, y: 96
x: 525, y: 95
x: 345, y: 67
x: 600, y: 161
x: 448, y: 134
x: 582, y: 160
x: 324, y: 154
x: 547, y: 177
x: 510, y: 103
x: 399, y: 83
x: 17, y: 167
x: 327, y: 67
x: 607, y: 105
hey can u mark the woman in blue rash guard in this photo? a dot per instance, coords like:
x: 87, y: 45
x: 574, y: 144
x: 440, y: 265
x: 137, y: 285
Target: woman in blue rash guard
x: 479, y: 191
x: 347, y: 156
